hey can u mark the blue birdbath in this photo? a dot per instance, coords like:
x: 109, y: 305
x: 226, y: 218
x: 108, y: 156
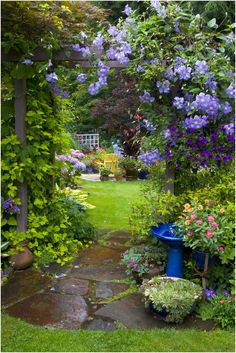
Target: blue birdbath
x: 165, y: 232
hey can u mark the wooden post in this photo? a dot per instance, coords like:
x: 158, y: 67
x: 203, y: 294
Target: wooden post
x: 170, y: 175
x: 20, y: 111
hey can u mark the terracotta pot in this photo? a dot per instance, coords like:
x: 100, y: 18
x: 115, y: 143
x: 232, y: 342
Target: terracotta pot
x: 22, y: 259
x: 118, y: 177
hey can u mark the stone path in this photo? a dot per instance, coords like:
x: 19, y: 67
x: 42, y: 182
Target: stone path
x: 77, y: 295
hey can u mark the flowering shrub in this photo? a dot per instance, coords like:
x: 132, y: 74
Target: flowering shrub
x: 205, y: 226
x: 71, y: 166
x: 219, y: 307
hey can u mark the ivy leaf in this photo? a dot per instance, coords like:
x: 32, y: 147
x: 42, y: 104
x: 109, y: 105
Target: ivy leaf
x: 12, y: 221
x: 211, y: 23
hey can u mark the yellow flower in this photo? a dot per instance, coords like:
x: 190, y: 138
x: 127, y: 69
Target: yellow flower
x: 196, y: 198
x: 187, y: 222
x: 207, y: 202
x: 180, y: 217
x: 200, y: 207
x: 222, y: 210
x: 187, y: 205
x: 191, y: 209
x: 187, y: 217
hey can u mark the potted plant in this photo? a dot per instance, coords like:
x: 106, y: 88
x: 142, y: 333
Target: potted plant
x: 104, y: 174
x: 205, y: 228
x: 130, y: 166
x: 119, y: 174
x: 171, y: 298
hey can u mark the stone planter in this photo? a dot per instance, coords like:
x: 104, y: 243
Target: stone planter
x: 22, y: 258
x: 104, y: 178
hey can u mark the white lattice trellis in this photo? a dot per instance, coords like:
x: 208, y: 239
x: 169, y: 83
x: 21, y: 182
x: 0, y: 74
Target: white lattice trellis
x: 91, y: 140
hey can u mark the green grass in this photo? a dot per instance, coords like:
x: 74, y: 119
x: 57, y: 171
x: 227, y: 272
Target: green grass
x: 18, y: 336
x: 112, y: 201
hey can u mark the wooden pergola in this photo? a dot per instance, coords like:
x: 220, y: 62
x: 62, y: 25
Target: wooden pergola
x: 73, y: 58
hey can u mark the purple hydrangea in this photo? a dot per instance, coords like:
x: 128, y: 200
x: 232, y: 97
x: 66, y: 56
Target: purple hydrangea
x: 52, y: 78
x: 207, y: 103
x: 140, y: 68
x: 126, y: 48
x: 76, y: 47
x: 226, y: 108
x: 184, y: 72
x: 85, y: 52
x: 163, y: 87
x: 210, y: 83
x: 113, y: 31
x: 230, y: 91
x: 230, y: 38
x: 76, y: 154
x: 27, y: 62
x: 178, y: 62
x: 201, y: 67
x: 161, y: 10
x: 178, y: 102
x: 121, y: 58
x: 176, y: 23
x: 10, y: 206
x: 151, y: 157
x: 169, y: 74
x: 229, y: 129
x: 197, y: 122
x: 147, y: 98
x: 103, y: 71
x: 98, y: 42
x: 93, y: 88
x: 102, y: 81
x: 127, y: 10
x: 111, y: 53
x: 82, y: 78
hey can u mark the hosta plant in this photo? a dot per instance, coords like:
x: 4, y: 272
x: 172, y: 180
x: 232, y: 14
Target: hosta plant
x: 173, y: 298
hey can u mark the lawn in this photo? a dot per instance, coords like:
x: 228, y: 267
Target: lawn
x: 112, y: 200
x: 18, y: 336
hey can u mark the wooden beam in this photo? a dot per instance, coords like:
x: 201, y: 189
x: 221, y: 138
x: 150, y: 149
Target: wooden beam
x: 20, y: 111
x: 69, y: 55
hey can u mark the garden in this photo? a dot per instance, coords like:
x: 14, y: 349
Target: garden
x: 118, y: 176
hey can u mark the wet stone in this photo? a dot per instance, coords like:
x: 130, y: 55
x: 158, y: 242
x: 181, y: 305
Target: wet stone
x: 23, y: 284
x: 101, y: 325
x: 131, y: 312
x: 56, y: 269
x: 98, y: 255
x: 72, y: 286
x: 105, y: 273
x: 52, y: 310
x: 103, y: 290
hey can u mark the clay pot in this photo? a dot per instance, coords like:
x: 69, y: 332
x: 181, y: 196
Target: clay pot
x: 22, y: 258
x: 118, y: 177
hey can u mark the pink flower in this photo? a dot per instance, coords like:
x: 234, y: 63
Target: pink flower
x: 190, y: 233
x: 210, y: 219
x: 222, y: 301
x: 214, y: 225
x: 135, y: 268
x: 221, y: 248
x: 193, y: 216
x: 131, y: 262
x: 209, y: 233
x: 199, y: 222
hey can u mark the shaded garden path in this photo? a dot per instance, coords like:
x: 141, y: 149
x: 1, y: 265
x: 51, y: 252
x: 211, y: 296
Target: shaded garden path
x: 93, y: 292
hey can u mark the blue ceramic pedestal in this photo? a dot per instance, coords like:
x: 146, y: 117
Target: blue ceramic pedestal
x: 165, y: 232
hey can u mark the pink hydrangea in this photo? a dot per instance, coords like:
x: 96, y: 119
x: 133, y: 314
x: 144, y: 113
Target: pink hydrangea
x: 210, y: 218
x: 209, y: 233
x: 199, y: 222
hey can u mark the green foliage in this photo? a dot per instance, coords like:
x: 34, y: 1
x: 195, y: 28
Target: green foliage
x: 221, y: 309
x: 175, y: 296
x: 142, y: 258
